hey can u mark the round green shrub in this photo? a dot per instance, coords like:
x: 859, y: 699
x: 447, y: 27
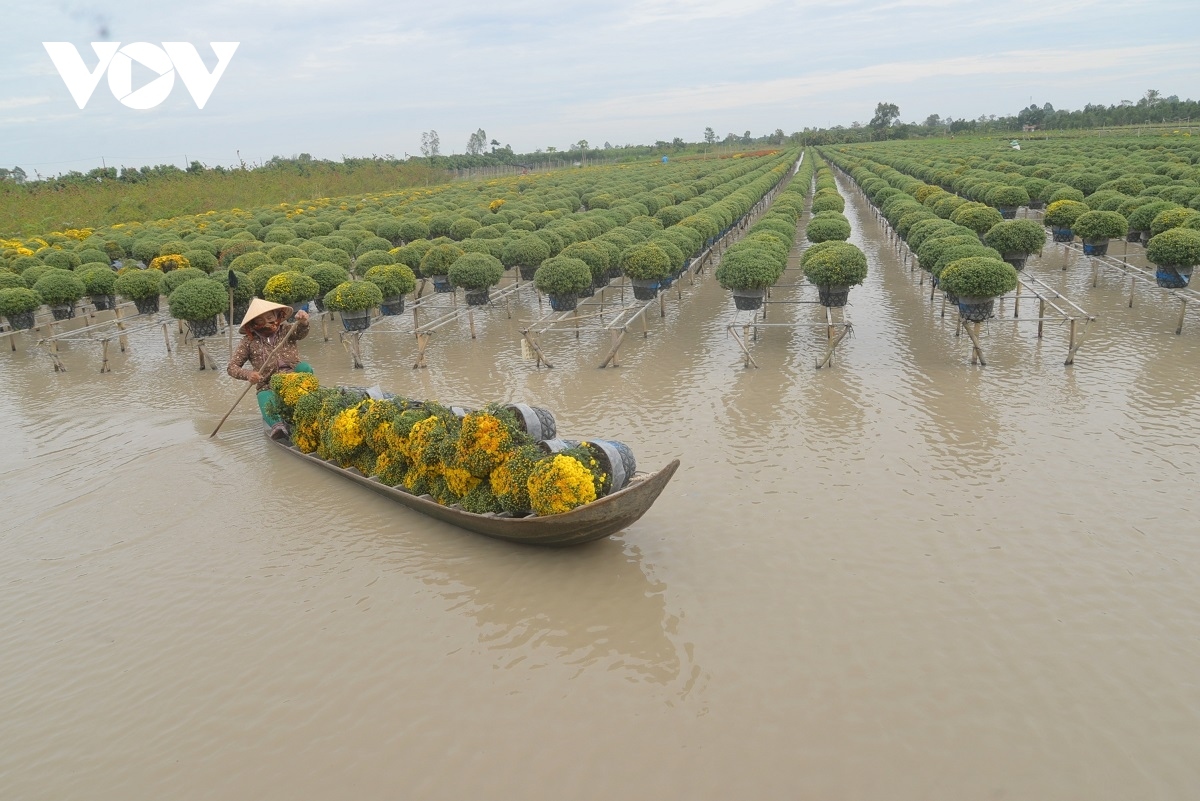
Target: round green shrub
x: 238, y: 248
x: 62, y: 259
x: 261, y: 275
x: 372, y: 258
x: 1175, y: 247
x: 828, y: 201
x: 139, y: 284
x: 747, y: 268
x: 328, y: 275
x: 248, y: 261
x: 145, y: 249
x: 463, y: 227
x: 281, y: 253
x: 372, y: 243
x: 59, y: 287
x: 174, y: 247
x: 290, y: 287
x: 353, y: 296
x: 412, y: 228
x: 198, y: 299
x: 201, y: 260
x: 177, y: 278
x: 97, y: 280
x: 439, y: 260
x: 978, y: 277
x: 646, y: 261
x: 526, y: 251
x: 597, y: 258
x: 1015, y: 237
x: 1007, y: 197
x: 962, y: 250
x: 841, y: 264
x: 827, y: 229
x: 1142, y: 217
x: 1066, y: 193
x: 23, y: 263
x: 977, y: 216
x: 563, y: 275
x: 1064, y: 213
x: 393, y: 280
x: 1172, y: 218
x: 35, y: 274
x: 476, y: 271
x: 93, y: 256
x: 246, y: 288
x: 19, y: 300
x: 1100, y: 225
x: 10, y: 280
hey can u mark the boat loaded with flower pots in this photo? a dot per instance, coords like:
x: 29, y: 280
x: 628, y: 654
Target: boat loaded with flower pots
x: 480, y: 470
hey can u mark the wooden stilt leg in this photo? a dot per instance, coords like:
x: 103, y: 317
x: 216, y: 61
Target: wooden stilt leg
x: 1182, y: 311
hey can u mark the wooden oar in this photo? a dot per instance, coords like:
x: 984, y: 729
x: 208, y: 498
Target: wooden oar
x: 250, y: 384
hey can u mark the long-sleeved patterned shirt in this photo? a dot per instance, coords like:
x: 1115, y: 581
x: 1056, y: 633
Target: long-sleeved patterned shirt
x: 255, y: 348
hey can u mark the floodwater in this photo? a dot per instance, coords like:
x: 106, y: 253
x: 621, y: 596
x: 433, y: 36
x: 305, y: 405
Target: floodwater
x: 901, y: 577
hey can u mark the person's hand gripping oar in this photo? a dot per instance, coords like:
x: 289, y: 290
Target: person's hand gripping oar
x: 251, y: 384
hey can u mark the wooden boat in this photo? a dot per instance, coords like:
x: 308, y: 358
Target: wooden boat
x: 596, y: 520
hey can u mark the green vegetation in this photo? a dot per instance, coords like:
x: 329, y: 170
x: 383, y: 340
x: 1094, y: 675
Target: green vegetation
x: 198, y: 299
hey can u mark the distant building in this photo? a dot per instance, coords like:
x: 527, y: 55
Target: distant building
x: 1029, y: 128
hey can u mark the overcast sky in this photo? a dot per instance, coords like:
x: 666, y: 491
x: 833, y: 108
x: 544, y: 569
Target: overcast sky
x: 361, y: 78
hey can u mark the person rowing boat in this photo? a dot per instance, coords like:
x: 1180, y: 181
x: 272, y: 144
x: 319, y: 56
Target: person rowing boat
x: 269, y: 351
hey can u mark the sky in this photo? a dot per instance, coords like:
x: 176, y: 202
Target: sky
x: 356, y: 78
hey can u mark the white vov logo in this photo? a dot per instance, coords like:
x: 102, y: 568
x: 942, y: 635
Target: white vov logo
x: 172, y: 57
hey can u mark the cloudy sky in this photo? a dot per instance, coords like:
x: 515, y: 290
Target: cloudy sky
x: 361, y: 78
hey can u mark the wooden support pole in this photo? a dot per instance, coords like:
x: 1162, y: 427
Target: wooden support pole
x: 1071, y: 346
x: 200, y: 352
x: 356, y: 349
x: 422, y: 344
x: 122, y: 339
x: 325, y: 326
x: 972, y: 330
x: 1182, y: 311
x: 104, y: 368
x: 533, y: 345
x: 1041, y: 316
x: 827, y: 361
x: 615, y: 338
x: 166, y: 337
x: 1132, y: 287
x: 471, y: 321
x: 1017, y: 302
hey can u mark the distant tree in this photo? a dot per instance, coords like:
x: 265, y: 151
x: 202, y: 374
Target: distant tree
x: 476, y: 142
x: 549, y: 148
x: 885, y: 115
x: 1152, y: 98
x: 677, y: 143
x: 608, y: 145
x: 16, y: 175
x: 747, y: 138
x: 933, y: 121
x: 710, y: 136
x: 431, y: 144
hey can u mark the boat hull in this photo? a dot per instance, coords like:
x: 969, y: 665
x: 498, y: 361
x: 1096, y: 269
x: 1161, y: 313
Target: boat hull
x: 599, y: 519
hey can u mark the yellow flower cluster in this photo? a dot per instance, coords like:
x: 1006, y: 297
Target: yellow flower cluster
x: 560, y: 484
x: 345, y: 432
x: 290, y: 387
x: 167, y: 263
x: 483, y: 443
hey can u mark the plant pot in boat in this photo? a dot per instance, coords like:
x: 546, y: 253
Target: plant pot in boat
x: 535, y: 421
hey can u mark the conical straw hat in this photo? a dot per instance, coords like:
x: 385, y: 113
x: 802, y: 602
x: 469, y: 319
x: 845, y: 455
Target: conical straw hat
x: 259, y: 307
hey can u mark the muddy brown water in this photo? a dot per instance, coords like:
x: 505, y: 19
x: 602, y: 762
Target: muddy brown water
x: 904, y: 577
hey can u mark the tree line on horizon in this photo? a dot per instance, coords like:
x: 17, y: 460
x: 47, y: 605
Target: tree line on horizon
x: 1152, y: 108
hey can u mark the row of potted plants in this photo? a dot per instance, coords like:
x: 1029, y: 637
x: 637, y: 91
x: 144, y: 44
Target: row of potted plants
x: 954, y: 248
x: 752, y: 265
